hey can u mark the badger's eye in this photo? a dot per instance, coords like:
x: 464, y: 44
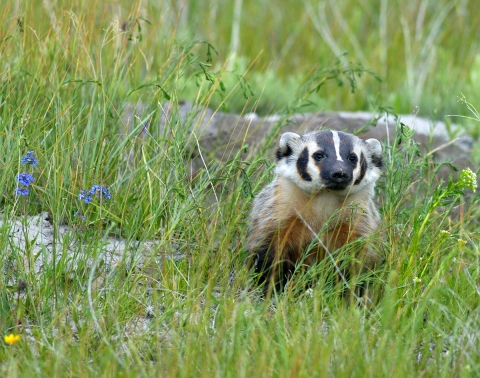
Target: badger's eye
x: 318, y: 156
x: 352, y: 158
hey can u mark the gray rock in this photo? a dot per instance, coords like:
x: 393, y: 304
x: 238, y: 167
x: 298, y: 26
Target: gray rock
x: 222, y: 135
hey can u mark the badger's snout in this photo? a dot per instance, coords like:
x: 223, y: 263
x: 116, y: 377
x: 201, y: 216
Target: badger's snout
x: 340, y: 176
x: 337, y: 176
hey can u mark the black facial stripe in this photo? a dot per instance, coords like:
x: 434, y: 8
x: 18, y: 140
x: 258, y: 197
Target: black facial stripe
x: 324, y: 140
x: 346, y: 146
x: 363, y: 169
x: 302, y: 164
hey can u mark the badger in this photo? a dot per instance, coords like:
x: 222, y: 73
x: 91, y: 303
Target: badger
x: 320, y: 200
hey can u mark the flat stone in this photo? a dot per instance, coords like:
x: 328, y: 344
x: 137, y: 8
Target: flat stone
x: 219, y: 135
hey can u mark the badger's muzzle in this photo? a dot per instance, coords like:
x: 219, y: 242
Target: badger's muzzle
x: 337, y: 176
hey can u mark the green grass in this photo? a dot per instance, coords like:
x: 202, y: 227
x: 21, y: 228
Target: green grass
x: 66, y: 74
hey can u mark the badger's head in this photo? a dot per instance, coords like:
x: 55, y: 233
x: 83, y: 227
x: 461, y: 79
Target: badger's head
x: 329, y: 160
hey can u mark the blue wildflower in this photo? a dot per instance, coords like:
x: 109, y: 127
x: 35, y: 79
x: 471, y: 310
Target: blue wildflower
x: 106, y: 193
x: 21, y: 192
x: 100, y: 192
x: 79, y: 214
x: 25, y: 179
x: 95, y: 189
x: 30, y: 159
x: 85, y: 196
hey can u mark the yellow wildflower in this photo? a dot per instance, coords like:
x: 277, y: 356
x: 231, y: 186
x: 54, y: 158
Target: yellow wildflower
x: 468, y: 179
x: 11, y: 339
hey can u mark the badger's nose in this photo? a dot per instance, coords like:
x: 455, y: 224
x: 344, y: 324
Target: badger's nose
x: 340, y: 176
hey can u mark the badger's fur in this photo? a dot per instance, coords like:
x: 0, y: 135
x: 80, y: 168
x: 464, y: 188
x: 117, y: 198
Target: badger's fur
x: 322, y: 196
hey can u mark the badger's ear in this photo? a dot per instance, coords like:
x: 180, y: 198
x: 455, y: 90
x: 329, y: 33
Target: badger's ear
x: 375, y: 149
x: 286, y: 145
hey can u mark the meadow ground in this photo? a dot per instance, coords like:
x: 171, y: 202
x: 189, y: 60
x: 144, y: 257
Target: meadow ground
x: 181, y: 307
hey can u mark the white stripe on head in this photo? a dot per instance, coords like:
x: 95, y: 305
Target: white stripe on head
x: 336, y: 143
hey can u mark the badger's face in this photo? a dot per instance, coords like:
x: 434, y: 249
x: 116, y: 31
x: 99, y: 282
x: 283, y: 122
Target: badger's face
x: 329, y: 160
